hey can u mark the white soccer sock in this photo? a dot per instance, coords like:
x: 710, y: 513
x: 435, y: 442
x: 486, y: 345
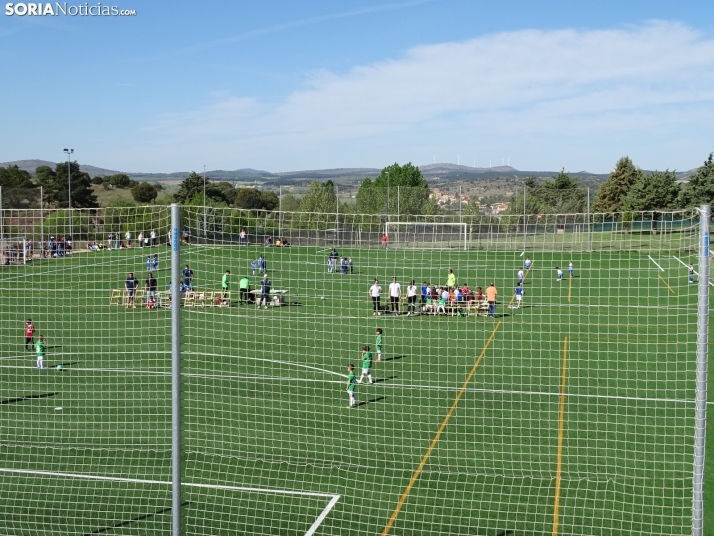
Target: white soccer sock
x: 39, y: 362
x: 379, y: 355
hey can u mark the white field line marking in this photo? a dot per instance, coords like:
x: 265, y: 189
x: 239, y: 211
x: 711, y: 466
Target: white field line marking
x: 685, y: 264
x: 322, y: 516
x: 655, y: 263
x: 413, y: 384
x: 267, y: 491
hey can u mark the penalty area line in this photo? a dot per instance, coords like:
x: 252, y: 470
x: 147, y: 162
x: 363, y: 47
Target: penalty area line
x: 687, y: 266
x: 655, y: 263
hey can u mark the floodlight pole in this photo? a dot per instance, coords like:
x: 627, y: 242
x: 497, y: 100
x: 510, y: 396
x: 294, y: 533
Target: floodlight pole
x: 525, y: 226
x: 175, y: 371
x: 590, y: 232
x: 205, y: 230
x: 69, y: 188
x: 42, y: 222
x: 1, y: 225
x: 700, y: 419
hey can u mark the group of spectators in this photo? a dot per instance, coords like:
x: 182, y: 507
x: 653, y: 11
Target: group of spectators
x: 335, y: 261
x: 114, y: 239
x: 434, y: 298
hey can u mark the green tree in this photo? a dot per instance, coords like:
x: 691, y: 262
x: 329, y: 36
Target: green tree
x: 652, y: 192
x: 192, y: 185
x: 321, y: 198
x: 120, y: 180
x: 700, y: 189
x: 14, y: 177
x: 290, y: 203
x: 249, y: 198
x: 223, y: 191
x: 97, y: 180
x: 397, y: 190
x: 611, y: 194
x: 144, y: 193
x: 55, y: 185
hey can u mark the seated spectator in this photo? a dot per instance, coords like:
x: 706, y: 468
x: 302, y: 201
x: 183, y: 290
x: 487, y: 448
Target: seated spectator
x: 458, y: 295
x: 479, y: 294
x: 440, y: 307
x: 470, y: 296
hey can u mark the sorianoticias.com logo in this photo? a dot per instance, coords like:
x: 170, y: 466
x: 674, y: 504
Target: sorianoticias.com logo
x: 44, y: 9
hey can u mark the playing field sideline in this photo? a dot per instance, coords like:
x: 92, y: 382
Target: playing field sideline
x: 571, y: 415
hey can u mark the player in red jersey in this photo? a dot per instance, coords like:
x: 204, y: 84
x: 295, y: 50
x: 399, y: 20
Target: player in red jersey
x: 29, y: 335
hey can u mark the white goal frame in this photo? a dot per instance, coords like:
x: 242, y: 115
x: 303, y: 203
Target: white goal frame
x: 13, y: 250
x: 416, y: 224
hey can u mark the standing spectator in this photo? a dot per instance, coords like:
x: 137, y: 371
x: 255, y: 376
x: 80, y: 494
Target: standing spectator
x: 130, y: 286
x: 187, y: 277
x: 450, y: 280
x: 117, y: 240
x: 29, y: 335
x: 152, y: 235
x: 68, y: 246
x: 151, y: 286
x: 127, y: 237
x: 411, y: 298
x: 491, y: 294
x: 349, y: 263
x: 264, y: 291
x: 334, y: 256
x: 141, y: 239
x: 244, y: 286
x: 110, y: 240
x: 384, y: 241
x: 225, y: 283
x: 375, y: 292
x: 395, y: 292
x: 243, y: 237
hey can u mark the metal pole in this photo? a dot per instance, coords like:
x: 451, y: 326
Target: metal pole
x: 42, y: 222
x: 387, y: 195
x: 69, y: 191
x: 525, y: 225
x: 337, y: 213
x: 280, y: 211
x: 590, y: 231
x: 2, y: 219
x: 700, y: 418
x: 175, y: 370
x: 205, y: 230
x: 461, y: 218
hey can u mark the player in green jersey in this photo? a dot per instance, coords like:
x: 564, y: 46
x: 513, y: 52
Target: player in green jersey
x: 351, y: 384
x: 40, y: 349
x: 378, y: 344
x: 226, y: 281
x: 366, y: 365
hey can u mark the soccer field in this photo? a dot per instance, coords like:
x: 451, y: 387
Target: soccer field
x: 571, y: 415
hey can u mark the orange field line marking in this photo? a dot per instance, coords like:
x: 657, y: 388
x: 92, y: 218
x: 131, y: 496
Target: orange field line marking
x: 561, y: 425
x: 665, y: 283
x: 424, y: 459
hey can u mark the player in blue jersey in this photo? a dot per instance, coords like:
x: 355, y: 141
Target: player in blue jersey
x: 691, y: 273
x: 519, y: 295
x: 253, y: 265
x: 155, y: 263
x: 187, y: 277
x: 148, y: 264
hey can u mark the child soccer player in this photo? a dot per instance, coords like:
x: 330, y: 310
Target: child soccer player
x: 352, y: 266
x: 528, y: 263
x: 29, y: 332
x: 148, y: 264
x: 40, y: 349
x: 378, y: 344
x: 366, y: 365
x: 691, y: 273
x: 520, y: 277
x: 571, y: 269
x: 260, y: 264
x: 560, y: 273
x: 253, y: 265
x: 155, y: 262
x: 329, y: 265
x: 519, y: 295
x: 351, y: 384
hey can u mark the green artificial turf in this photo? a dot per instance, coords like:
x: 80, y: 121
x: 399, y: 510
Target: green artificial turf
x: 268, y: 439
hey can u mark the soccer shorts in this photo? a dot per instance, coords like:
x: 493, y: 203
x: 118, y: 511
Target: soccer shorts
x: 365, y: 371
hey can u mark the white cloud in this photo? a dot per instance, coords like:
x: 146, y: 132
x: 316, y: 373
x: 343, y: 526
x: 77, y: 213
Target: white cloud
x: 557, y: 90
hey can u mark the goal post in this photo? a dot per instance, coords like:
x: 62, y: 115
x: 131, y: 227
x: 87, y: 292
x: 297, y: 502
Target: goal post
x: 14, y: 250
x: 416, y: 234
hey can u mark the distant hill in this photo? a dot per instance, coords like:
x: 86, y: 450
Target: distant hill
x: 440, y: 171
x: 31, y: 165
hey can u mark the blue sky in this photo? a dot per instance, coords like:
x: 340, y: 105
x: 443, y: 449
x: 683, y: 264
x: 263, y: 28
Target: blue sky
x: 315, y: 84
